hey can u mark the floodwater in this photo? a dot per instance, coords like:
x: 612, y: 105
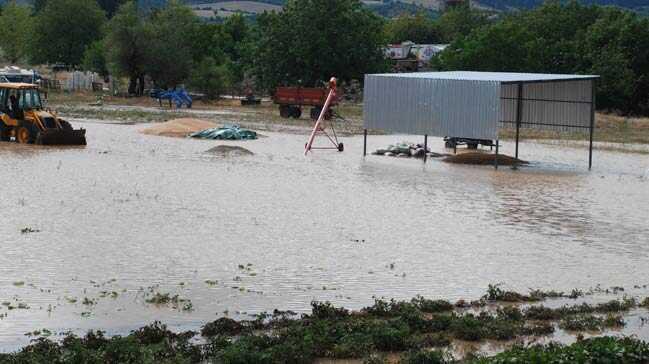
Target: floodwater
x: 136, y: 214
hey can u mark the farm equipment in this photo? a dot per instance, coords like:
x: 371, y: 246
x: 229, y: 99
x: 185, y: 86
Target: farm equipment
x: 453, y: 142
x: 291, y: 100
x: 321, y: 122
x: 179, y: 97
x: 22, y: 117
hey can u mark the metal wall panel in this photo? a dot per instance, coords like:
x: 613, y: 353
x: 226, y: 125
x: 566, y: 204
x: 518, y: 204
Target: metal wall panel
x: 433, y: 106
x: 563, y: 106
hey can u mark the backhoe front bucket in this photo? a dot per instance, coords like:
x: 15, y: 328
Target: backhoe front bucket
x: 61, y: 137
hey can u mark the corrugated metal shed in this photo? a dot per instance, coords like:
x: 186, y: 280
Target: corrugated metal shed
x: 475, y: 104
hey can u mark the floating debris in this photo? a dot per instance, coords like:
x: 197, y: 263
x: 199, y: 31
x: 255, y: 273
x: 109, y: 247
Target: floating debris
x: 27, y: 230
x: 407, y: 150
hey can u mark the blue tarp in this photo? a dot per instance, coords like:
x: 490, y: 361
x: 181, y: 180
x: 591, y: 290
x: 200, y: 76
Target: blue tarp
x: 229, y: 132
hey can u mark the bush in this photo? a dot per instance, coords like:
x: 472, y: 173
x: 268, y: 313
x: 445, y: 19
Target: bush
x: 425, y: 357
x: 222, y: 326
x: 327, y: 311
x: 432, y: 306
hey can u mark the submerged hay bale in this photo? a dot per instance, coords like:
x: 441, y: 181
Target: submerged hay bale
x: 179, y: 127
x: 229, y: 151
x: 483, y: 159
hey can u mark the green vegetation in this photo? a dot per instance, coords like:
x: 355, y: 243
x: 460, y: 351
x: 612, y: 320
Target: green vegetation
x: 419, y: 331
x: 63, y: 29
x: 14, y: 31
x: 328, y: 332
x: 312, y: 40
x: 570, y: 38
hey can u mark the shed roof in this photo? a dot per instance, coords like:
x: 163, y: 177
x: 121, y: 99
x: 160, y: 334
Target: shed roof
x: 502, y: 77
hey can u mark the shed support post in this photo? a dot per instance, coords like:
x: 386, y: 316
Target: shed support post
x: 592, y: 126
x: 496, y: 157
x: 364, y: 142
x: 519, y: 114
x: 425, y: 147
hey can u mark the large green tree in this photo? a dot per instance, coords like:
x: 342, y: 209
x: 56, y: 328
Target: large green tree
x: 460, y: 21
x: 415, y: 28
x: 169, y: 53
x: 15, y: 23
x: 124, y: 46
x: 312, y: 40
x: 64, y: 29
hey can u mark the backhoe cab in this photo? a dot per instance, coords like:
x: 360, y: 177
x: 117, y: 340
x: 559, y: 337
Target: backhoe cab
x: 23, y: 118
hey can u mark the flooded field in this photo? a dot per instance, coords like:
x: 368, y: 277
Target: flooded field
x: 90, y: 235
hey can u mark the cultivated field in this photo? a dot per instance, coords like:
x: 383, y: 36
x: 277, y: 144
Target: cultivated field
x: 229, y: 8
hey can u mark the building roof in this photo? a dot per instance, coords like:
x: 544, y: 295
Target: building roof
x: 502, y: 77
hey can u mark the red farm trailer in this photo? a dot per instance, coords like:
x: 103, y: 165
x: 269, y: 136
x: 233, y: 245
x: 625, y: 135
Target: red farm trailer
x: 292, y: 99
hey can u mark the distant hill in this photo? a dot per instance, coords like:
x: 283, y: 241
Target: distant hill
x: 528, y: 4
x: 409, y: 5
x: 386, y: 8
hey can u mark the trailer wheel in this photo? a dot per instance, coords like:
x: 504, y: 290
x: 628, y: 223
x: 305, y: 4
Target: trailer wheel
x: 341, y: 147
x: 284, y: 111
x: 296, y: 112
x: 315, y: 113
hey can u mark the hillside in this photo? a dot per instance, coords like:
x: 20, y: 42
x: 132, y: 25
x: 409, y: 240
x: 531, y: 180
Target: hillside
x: 387, y: 7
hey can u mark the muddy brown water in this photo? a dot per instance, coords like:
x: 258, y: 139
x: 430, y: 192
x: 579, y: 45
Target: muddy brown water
x: 133, y: 213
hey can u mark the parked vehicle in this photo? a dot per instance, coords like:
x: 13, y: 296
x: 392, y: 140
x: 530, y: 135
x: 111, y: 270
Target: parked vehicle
x: 23, y: 118
x: 291, y: 100
x: 453, y: 142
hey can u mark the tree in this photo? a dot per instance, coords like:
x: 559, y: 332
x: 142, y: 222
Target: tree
x: 210, y: 78
x: 64, y: 29
x: 14, y: 31
x: 168, y: 53
x: 124, y: 46
x: 38, y: 5
x: 415, y: 28
x: 237, y: 45
x: 94, y: 59
x: 110, y: 6
x: 565, y: 38
x: 312, y: 40
x: 616, y: 46
x: 460, y: 21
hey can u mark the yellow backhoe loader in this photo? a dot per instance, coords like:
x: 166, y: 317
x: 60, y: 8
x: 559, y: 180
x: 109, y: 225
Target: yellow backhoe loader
x: 23, y: 118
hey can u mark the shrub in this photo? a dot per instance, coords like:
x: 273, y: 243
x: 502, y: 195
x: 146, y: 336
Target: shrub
x: 222, y: 326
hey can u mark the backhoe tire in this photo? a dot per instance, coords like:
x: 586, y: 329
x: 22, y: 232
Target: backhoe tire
x: 5, y: 132
x: 26, y: 133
